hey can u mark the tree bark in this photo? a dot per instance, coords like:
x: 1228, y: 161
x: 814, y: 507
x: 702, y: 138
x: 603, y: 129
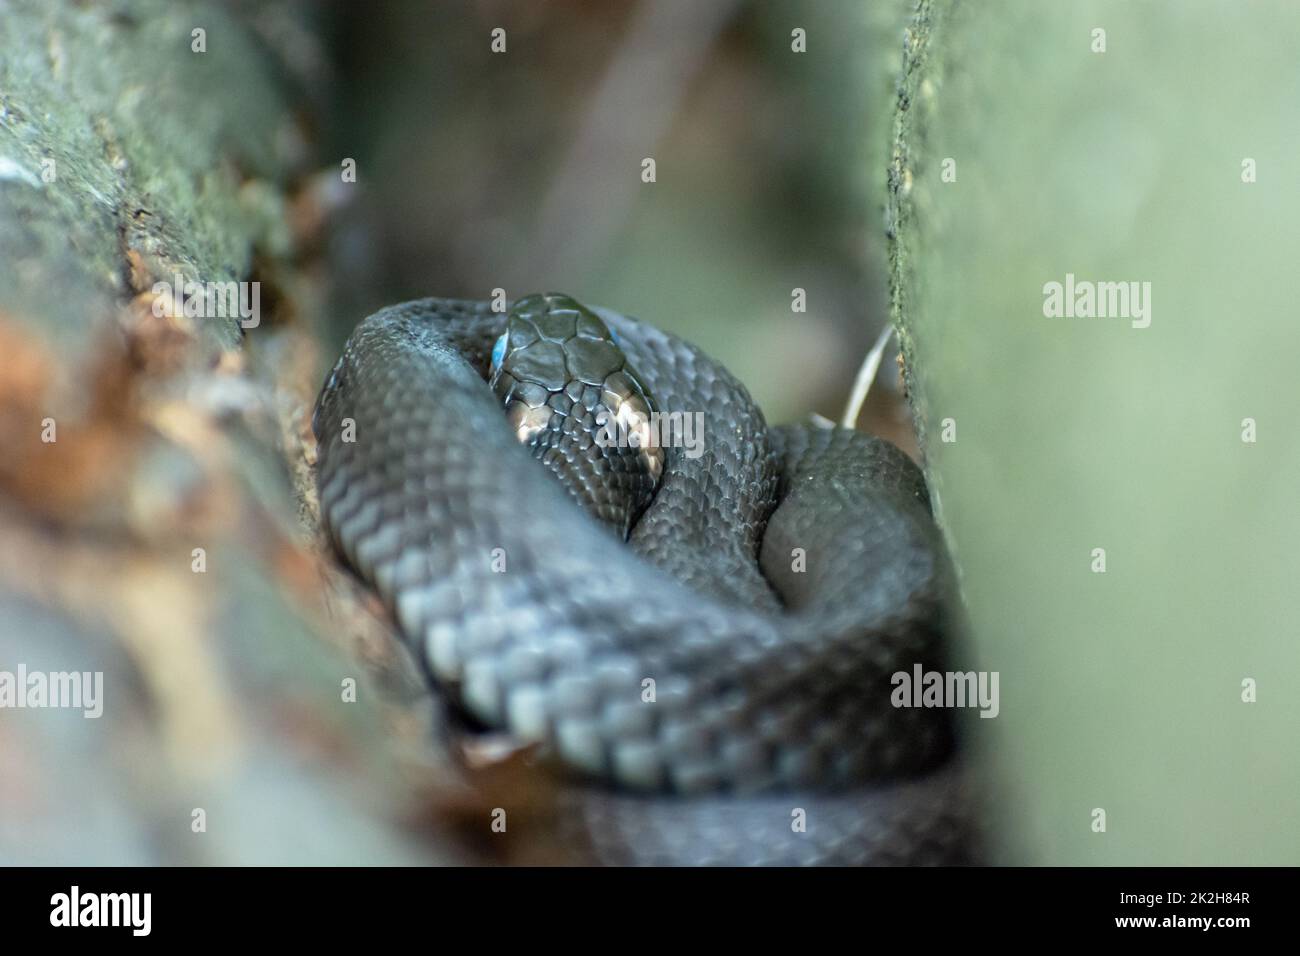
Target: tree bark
x: 1126, y: 156
x: 150, y: 530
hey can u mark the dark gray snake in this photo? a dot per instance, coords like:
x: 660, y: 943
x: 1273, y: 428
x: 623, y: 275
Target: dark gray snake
x: 721, y: 680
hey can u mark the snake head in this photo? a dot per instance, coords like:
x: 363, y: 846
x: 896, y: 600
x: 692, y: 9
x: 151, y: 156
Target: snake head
x: 572, y: 398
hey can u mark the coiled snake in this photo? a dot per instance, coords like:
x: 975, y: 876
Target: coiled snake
x: 720, y: 679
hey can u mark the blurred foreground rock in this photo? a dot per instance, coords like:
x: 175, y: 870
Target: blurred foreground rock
x: 150, y: 528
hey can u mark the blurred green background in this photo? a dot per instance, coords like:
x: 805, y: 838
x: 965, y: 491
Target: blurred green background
x: 522, y: 171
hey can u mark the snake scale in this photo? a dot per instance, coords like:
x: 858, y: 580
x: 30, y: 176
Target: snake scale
x: 704, y: 639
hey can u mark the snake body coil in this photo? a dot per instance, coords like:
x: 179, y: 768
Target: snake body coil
x: 723, y: 678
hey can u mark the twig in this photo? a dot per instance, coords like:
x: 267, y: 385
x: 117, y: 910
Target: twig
x: 866, y: 375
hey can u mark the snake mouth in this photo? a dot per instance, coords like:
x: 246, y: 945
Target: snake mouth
x: 571, y: 396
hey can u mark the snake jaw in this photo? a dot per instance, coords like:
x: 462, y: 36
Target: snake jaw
x: 632, y: 423
x: 527, y: 421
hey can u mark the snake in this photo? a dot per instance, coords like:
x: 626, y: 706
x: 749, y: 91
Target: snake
x: 592, y: 541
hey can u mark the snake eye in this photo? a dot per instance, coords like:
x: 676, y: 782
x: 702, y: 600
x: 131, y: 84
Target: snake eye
x: 499, y: 351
